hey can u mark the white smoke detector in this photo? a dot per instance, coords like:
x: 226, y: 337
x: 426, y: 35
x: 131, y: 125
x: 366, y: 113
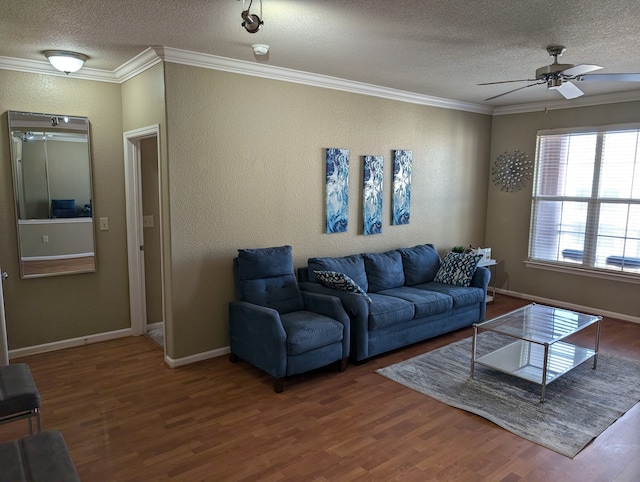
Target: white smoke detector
x: 260, y: 49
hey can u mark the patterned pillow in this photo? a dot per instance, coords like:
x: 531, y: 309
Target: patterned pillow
x: 340, y: 281
x: 457, y: 269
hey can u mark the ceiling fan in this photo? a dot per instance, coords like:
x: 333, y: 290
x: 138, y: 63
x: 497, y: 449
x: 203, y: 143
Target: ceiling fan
x: 558, y: 76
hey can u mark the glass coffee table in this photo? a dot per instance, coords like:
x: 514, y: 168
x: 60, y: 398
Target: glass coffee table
x: 532, y: 346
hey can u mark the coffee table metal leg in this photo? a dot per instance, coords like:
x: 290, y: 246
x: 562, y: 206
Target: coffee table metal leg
x: 595, y: 356
x: 544, y: 371
x: 473, y: 350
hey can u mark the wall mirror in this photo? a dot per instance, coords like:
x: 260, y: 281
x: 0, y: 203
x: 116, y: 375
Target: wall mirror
x: 51, y: 166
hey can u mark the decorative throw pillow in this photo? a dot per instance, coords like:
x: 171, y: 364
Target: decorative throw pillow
x: 457, y: 269
x: 340, y: 281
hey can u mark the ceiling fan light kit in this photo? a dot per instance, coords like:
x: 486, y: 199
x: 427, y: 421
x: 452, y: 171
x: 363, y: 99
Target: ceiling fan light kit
x: 558, y: 76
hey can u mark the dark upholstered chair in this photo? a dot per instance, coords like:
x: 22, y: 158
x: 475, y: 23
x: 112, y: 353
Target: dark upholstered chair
x: 42, y: 457
x: 19, y: 396
x: 277, y: 328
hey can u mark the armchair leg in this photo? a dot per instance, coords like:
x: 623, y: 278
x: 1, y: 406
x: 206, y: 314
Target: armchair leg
x: 343, y: 364
x: 278, y: 385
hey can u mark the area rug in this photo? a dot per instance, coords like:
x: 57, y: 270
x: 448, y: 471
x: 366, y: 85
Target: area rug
x: 579, y: 405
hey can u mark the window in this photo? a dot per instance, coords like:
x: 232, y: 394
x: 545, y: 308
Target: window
x: 586, y: 199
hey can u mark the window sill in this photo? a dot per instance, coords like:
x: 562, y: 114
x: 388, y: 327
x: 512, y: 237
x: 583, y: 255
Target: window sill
x: 593, y: 273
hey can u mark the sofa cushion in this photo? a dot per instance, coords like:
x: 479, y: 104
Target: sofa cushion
x: 388, y: 310
x: 279, y: 292
x: 420, y: 264
x: 457, y: 269
x: 426, y: 302
x: 264, y: 262
x: 340, y: 281
x: 384, y: 270
x: 352, y: 266
x: 306, y: 331
x: 461, y: 296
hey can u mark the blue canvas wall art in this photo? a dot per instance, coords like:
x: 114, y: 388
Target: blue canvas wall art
x: 401, y: 208
x: 337, y: 186
x: 372, y: 195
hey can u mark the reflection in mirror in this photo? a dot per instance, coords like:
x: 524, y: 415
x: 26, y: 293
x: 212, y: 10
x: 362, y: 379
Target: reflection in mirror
x: 51, y: 165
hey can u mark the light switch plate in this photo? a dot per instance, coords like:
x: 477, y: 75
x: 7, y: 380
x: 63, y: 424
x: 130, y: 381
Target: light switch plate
x: 147, y: 221
x: 104, y: 224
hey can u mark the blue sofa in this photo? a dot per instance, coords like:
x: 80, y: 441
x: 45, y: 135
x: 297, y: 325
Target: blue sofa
x: 395, y: 300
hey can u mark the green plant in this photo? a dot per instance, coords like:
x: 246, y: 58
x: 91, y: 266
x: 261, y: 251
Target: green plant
x: 458, y: 249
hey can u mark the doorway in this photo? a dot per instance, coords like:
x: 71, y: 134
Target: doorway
x: 144, y: 232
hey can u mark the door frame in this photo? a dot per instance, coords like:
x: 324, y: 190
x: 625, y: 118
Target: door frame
x: 135, y: 237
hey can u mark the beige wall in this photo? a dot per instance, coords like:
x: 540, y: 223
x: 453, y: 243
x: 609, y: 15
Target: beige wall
x: 508, y: 214
x: 143, y: 105
x: 45, y: 310
x: 246, y: 164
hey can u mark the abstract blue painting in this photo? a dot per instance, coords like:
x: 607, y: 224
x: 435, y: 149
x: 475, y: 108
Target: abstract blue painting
x: 372, y: 195
x: 401, y: 208
x: 337, y: 185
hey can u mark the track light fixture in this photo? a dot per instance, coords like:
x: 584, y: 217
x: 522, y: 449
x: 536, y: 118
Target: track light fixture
x: 252, y: 22
x: 65, y: 61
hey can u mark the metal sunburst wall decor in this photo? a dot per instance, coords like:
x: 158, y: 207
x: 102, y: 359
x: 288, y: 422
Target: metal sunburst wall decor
x: 512, y: 171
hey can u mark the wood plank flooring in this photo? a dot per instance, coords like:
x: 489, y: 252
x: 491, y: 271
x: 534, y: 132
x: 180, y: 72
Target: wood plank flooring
x: 127, y: 417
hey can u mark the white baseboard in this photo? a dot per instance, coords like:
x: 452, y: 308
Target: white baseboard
x: 570, y: 306
x: 178, y: 362
x: 59, y: 345
x: 153, y: 326
x: 175, y: 363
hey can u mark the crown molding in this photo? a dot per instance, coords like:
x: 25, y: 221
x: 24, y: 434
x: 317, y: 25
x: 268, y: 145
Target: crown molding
x: 138, y: 64
x: 207, y: 61
x: 156, y: 54
x: 585, y: 101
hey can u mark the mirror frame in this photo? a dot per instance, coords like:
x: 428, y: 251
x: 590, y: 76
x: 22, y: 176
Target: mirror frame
x: 74, y: 223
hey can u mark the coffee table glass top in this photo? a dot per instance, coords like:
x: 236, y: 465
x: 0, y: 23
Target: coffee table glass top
x: 539, y: 323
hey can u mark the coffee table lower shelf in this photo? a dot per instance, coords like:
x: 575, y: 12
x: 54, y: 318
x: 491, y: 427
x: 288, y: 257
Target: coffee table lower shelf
x: 526, y: 360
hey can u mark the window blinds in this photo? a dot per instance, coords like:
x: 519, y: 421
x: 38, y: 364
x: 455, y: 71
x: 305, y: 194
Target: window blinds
x: 586, y: 199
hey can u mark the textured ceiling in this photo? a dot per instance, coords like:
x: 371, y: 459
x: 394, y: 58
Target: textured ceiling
x: 439, y: 48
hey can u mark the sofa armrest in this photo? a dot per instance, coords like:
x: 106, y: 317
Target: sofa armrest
x: 354, y: 304
x: 358, y: 310
x: 330, y: 306
x: 481, y: 278
x: 326, y: 305
x: 256, y: 335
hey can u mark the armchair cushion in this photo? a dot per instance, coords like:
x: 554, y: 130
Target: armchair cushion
x: 307, y: 331
x: 457, y: 269
x: 384, y: 270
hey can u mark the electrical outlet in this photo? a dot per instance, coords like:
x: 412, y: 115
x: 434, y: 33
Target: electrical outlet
x: 104, y: 224
x: 45, y: 239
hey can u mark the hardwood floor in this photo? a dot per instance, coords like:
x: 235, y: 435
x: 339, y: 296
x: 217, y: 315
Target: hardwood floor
x: 126, y: 417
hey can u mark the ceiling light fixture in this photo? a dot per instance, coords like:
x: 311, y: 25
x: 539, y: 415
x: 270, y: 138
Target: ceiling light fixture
x: 252, y: 22
x: 65, y: 61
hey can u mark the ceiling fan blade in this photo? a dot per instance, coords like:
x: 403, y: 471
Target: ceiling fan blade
x: 507, y: 81
x: 568, y: 90
x: 514, y: 90
x: 580, y: 69
x: 609, y: 78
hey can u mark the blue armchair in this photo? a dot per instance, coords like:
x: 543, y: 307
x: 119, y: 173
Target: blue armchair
x: 276, y: 327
